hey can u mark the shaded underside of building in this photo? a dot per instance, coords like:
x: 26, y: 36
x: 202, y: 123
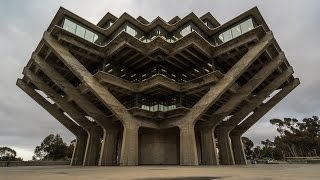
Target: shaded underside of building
x: 178, y: 92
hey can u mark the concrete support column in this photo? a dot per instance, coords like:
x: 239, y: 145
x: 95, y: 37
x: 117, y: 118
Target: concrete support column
x: 188, y: 148
x: 209, y: 150
x: 238, y: 151
x: 91, y: 155
x: 108, y: 148
x: 129, y: 148
x: 224, y: 145
x: 79, y: 150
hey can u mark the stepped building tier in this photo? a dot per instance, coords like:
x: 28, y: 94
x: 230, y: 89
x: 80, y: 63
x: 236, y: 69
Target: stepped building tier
x: 135, y: 92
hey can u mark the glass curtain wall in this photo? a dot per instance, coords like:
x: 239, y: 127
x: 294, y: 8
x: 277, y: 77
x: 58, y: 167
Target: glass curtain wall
x: 158, y: 104
x: 82, y: 32
x: 234, y: 32
x: 129, y: 28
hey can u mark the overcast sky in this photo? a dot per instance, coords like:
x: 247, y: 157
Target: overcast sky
x: 24, y: 124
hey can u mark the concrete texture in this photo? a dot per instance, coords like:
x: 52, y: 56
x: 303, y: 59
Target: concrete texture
x: 108, y: 95
x: 249, y: 172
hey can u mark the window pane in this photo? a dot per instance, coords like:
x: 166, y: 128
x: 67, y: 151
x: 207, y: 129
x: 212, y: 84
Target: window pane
x: 247, y: 25
x: 236, y: 31
x: 221, y: 38
x: 95, y: 37
x: 89, y: 36
x: 185, y: 30
x: 131, y: 31
x: 69, y: 26
x: 80, y: 31
x: 227, y: 35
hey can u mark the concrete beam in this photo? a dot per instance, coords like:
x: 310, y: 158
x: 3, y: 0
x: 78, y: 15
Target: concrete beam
x: 238, y: 150
x: 87, y: 78
x: 157, y: 80
x: 83, y: 103
x: 226, y: 82
x: 62, y: 102
x: 236, y: 133
x: 208, y: 145
x: 258, y: 99
x: 264, y: 108
x: 224, y: 146
x: 108, y: 148
x: 246, y: 90
x: 188, y: 148
x: 72, y: 92
x: 227, y: 126
x: 81, y: 135
x: 129, y: 147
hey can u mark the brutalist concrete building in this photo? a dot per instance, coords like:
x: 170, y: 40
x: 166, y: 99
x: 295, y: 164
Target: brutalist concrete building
x: 135, y: 92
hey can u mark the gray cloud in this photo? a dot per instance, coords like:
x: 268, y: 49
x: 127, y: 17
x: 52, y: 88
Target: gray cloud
x: 24, y: 123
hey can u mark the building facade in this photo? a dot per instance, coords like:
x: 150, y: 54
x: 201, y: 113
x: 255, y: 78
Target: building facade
x: 135, y: 92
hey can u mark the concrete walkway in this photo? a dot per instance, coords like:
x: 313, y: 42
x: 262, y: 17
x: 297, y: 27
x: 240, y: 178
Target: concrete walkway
x: 268, y: 171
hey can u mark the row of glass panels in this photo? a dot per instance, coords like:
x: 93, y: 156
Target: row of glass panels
x: 127, y: 27
x: 82, y: 32
x: 158, y: 107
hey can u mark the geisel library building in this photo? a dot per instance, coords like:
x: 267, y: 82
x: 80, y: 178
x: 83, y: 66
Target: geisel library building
x: 135, y: 92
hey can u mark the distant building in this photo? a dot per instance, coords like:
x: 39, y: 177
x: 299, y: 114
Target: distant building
x: 137, y: 92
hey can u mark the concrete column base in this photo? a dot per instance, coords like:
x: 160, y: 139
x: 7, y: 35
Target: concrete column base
x: 224, y: 145
x: 108, y: 148
x: 79, y: 150
x: 188, y: 149
x: 238, y: 151
x: 129, y: 148
x: 91, y: 155
x: 208, y: 144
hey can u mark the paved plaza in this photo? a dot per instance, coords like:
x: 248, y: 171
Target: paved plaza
x: 268, y: 171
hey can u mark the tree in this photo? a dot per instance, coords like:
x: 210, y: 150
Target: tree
x: 297, y: 138
x: 248, y: 145
x: 51, y: 148
x: 8, y: 154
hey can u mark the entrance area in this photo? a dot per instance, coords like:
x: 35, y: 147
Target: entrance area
x: 159, y: 147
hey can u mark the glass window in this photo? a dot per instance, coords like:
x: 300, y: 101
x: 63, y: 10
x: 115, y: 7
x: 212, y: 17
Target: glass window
x: 227, y: 35
x: 185, y: 30
x: 247, y: 25
x: 95, y: 37
x: 236, y: 31
x: 220, y: 38
x: 131, y: 31
x: 69, y: 26
x: 80, y: 31
x: 89, y: 36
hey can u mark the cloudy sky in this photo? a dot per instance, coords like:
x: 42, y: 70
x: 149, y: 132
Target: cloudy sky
x: 23, y: 123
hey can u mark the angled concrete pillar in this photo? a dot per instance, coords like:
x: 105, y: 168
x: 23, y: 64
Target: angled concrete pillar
x: 265, y: 107
x: 217, y: 90
x: 79, y: 150
x: 92, y: 149
x: 245, y: 90
x: 188, y: 148
x: 236, y: 133
x: 62, y: 102
x: 237, y: 149
x: 80, y: 133
x: 129, y: 149
x: 208, y: 144
x: 108, y: 148
x: 224, y: 145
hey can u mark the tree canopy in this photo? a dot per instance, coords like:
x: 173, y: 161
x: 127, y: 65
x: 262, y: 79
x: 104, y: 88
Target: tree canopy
x: 296, y: 139
x: 8, y: 154
x: 51, y: 148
